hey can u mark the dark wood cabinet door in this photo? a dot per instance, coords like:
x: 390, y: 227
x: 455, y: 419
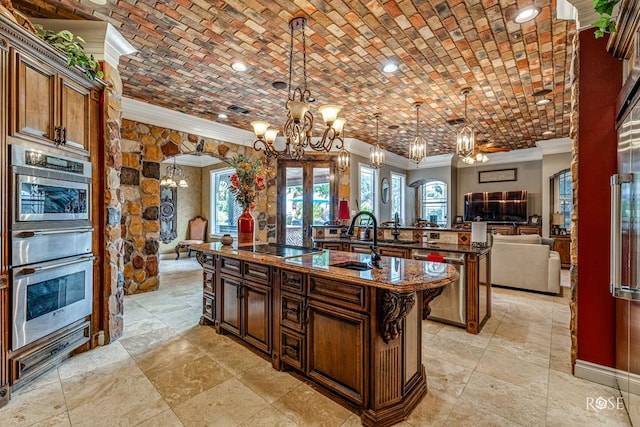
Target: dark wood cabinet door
x: 35, y: 98
x: 74, y: 114
x: 331, y: 245
x: 230, y: 290
x: 338, y: 349
x: 396, y: 252
x: 256, y: 315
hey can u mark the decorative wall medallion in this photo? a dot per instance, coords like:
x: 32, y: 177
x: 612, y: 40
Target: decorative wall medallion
x: 168, y: 217
x: 395, y: 308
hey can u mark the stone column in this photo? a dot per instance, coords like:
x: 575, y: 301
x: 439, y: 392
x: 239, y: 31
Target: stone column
x: 573, y: 134
x: 113, y: 262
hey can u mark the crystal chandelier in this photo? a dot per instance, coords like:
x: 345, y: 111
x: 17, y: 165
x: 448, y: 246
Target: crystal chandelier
x: 376, y: 154
x: 169, y: 179
x: 417, y: 147
x: 299, y: 125
x: 466, y: 139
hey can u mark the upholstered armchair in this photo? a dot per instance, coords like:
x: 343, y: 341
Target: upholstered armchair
x: 197, y: 233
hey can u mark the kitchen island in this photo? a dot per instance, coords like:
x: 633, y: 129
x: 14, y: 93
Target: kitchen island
x: 466, y: 303
x: 354, y: 330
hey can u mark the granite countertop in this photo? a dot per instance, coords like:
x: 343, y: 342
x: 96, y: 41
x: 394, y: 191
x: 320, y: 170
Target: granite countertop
x: 397, y: 274
x: 450, y: 247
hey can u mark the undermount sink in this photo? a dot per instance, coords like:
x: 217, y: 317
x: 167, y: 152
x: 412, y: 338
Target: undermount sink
x: 353, y: 265
x: 397, y: 242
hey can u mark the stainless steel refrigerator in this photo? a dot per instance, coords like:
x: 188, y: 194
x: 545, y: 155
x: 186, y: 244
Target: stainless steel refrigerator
x: 625, y: 262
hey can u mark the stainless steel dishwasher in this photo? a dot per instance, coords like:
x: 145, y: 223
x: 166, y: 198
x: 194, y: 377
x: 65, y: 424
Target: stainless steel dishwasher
x: 451, y: 306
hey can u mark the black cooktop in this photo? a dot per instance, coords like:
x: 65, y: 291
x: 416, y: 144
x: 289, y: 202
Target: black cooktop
x: 283, y: 251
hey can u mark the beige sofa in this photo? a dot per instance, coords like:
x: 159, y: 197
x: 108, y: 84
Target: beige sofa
x: 523, y: 262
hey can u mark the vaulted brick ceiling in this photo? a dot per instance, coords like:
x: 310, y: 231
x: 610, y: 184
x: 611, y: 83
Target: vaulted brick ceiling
x: 186, y: 49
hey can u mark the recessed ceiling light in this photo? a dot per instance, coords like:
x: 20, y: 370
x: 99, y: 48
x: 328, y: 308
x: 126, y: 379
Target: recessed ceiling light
x: 403, y: 131
x: 98, y: 1
x: 548, y: 132
x: 542, y: 92
x: 239, y: 66
x: 279, y: 84
x: 543, y: 101
x: 390, y: 67
x: 222, y: 116
x: 526, y: 14
x: 393, y: 127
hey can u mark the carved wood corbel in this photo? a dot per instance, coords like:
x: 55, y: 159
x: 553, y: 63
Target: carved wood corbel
x: 395, y: 308
x: 428, y: 296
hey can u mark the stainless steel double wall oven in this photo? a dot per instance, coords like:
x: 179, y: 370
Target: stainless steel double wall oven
x: 51, y: 242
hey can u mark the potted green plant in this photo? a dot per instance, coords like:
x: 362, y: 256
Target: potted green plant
x: 72, y: 47
x: 606, y: 23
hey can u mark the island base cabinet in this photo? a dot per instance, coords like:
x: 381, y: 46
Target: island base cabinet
x: 338, y: 350
x: 245, y: 311
x: 292, y: 349
x: 230, y: 290
x: 256, y: 315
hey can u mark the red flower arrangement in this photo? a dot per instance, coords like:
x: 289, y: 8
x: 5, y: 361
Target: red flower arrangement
x: 248, y: 180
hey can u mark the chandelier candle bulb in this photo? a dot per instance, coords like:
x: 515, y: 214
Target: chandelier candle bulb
x: 338, y: 125
x: 260, y: 128
x: 297, y: 109
x: 329, y: 113
x: 270, y: 135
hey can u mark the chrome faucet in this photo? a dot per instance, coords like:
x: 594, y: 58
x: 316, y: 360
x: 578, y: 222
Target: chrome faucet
x: 396, y: 223
x: 375, y: 256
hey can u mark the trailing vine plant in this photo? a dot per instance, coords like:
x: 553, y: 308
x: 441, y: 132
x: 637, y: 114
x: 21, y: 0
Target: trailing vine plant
x: 605, y: 24
x: 72, y: 47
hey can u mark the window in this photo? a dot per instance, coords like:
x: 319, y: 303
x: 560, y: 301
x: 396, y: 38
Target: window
x: 224, y: 209
x: 434, y: 202
x: 397, y: 195
x: 565, y: 197
x: 368, y: 189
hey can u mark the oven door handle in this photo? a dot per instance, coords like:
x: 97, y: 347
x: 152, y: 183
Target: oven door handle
x: 26, y: 234
x: 33, y: 270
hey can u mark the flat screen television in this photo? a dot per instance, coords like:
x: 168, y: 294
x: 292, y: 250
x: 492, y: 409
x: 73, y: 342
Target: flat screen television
x: 498, y: 206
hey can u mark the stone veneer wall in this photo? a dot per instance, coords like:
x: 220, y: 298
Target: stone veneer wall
x: 573, y: 271
x: 144, y: 147
x: 113, y: 294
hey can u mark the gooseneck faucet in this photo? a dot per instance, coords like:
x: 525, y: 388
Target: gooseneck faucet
x: 375, y: 256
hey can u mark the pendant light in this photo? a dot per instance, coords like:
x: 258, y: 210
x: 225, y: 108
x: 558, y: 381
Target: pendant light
x: 299, y: 122
x: 417, y: 147
x: 170, y: 179
x: 376, y: 154
x: 466, y: 139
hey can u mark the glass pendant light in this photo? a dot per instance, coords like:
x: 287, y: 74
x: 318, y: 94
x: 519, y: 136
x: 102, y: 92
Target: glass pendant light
x: 376, y: 154
x: 466, y: 139
x: 417, y: 147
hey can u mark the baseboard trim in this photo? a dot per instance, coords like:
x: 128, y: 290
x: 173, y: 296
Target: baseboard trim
x: 605, y: 375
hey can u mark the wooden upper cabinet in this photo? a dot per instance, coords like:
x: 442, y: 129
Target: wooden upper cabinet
x: 35, y: 85
x: 50, y: 107
x: 74, y: 113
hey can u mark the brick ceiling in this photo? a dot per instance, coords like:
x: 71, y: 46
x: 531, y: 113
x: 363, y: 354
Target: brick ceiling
x: 186, y: 49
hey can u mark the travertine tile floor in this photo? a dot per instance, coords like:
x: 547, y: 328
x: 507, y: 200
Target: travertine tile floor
x: 168, y: 371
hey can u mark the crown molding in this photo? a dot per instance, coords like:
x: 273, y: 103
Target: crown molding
x: 198, y: 161
x: 103, y: 40
x: 143, y: 112
x: 555, y: 146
